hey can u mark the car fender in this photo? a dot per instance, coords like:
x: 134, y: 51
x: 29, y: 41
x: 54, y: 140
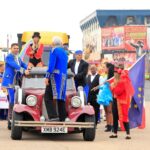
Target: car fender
x: 75, y: 113
x: 33, y: 111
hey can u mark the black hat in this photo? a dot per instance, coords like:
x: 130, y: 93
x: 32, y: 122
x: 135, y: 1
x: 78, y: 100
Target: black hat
x: 36, y: 34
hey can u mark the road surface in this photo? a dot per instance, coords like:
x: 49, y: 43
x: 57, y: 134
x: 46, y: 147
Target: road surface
x: 33, y: 141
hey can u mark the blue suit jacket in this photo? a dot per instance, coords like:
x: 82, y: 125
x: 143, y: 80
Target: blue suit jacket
x: 57, y: 72
x: 12, y: 69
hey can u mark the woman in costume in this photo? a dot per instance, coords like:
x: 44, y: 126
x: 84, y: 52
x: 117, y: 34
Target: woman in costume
x: 123, y: 91
x: 35, y: 51
x: 105, y: 97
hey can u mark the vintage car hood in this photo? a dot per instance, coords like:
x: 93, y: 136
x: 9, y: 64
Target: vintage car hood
x: 69, y: 93
x: 35, y: 91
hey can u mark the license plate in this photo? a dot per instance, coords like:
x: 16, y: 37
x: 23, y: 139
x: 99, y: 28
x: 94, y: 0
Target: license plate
x: 54, y: 130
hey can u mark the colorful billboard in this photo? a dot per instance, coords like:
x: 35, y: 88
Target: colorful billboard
x: 135, y: 36
x: 124, y: 38
x: 148, y: 37
x: 127, y: 59
x: 112, y: 38
x: 91, y: 45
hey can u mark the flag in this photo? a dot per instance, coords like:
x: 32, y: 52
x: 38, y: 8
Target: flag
x: 137, y: 76
x: 24, y: 49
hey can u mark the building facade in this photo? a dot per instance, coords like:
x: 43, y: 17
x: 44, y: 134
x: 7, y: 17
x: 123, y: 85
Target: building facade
x: 93, y: 25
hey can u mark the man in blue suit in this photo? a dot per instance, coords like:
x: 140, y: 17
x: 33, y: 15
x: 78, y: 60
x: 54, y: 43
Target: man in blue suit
x: 14, y: 67
x: 56, y: 78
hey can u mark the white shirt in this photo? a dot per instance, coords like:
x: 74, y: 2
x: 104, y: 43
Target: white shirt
x: 76, y: 67
x: 17, y: 59
x: 92, y: 77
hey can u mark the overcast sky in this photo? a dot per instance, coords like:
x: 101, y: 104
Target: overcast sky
x: 17, y: 16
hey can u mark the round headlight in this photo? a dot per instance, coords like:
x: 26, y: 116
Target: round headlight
x: 31, y: 100
x: 76, y: 101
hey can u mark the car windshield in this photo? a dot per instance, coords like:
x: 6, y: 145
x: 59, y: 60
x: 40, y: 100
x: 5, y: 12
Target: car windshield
x: 36, y: 83
x: 45, y: 56
x: 39, y: 83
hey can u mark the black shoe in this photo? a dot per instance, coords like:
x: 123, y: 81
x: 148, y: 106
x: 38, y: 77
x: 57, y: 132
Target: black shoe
x: 109, y: 128
x: 128, y: 137
x: 113, y: 136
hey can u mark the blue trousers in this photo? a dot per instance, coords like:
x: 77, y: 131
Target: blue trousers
x: 11, y: 93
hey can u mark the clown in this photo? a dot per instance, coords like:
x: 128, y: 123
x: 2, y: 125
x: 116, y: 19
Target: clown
x: 123, y: 91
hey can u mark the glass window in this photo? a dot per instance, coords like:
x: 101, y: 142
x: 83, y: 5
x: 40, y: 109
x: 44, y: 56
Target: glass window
x: 147, y: 20
x: 70, y: 84
x: 111, y: 21
x: 130, y: 20
x: 34, y: 83
x: 45, y: 56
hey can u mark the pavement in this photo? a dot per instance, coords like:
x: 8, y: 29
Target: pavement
x: 147, y: 90
x: 34, y: 141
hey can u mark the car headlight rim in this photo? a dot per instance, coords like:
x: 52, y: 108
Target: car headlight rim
x: 31, y: 100
x: 76, y: 102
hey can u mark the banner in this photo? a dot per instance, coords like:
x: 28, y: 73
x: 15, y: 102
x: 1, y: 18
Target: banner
x: 127, y: 59
x: 124, y: 38
x: 148, y: 37
x: 112, y: 38
x: 91, y: 45
x: 135, y: 36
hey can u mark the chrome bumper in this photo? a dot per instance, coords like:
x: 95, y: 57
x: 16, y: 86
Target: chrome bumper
x: 54, y: 124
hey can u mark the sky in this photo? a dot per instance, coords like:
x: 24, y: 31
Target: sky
x: 17, y: 16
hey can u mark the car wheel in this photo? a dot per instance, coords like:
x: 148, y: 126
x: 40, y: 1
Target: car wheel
x: 16, y: 132
x: 89, y: 133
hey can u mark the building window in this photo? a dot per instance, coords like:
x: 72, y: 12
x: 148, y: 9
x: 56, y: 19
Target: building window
x: 147, y: 20
x: 111, y: 21
x: 130, y: 20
